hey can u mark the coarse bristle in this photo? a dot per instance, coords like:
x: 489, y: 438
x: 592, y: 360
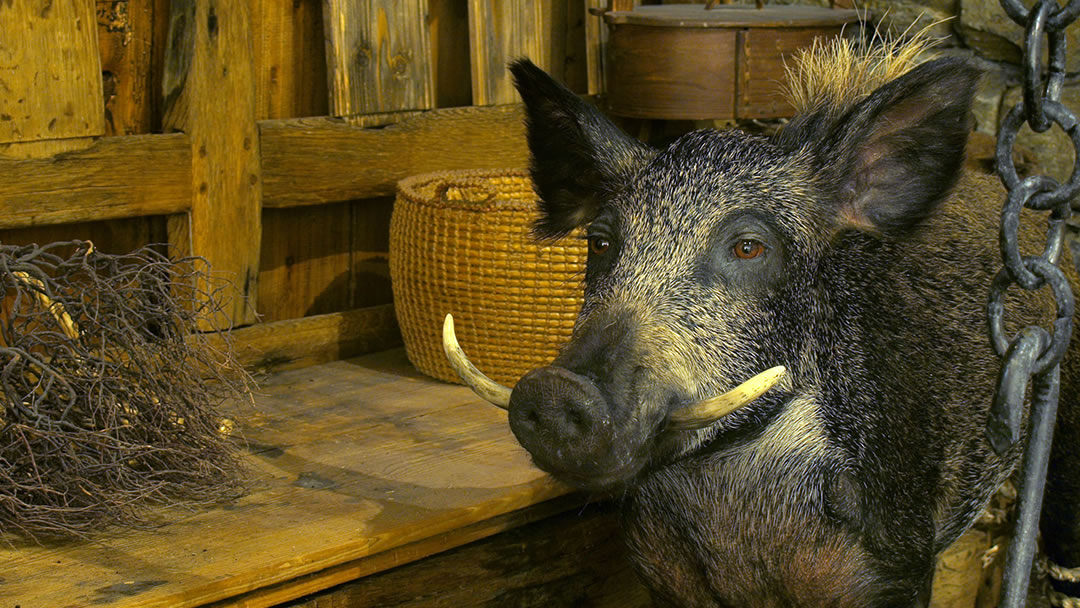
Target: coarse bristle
x: 842, y: 71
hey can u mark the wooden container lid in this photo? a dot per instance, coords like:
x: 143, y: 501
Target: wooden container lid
x: 732, y: 16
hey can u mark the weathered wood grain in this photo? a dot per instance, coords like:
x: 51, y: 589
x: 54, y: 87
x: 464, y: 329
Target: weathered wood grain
x: 290, y: 59
x: 500, y: 32
x: 571, y: 559
x: 304, y: 266
x: 596, y: 36
x: 297, y: 343
x: 378, y: 56
x: 341, y: 576
x: 211, y: 97
x: 110, y: 236
x: 316, y: 160
x: 300, y: 270
x: 449, y: 27
x: 126, y: 37
x: 370, y: 263
x: 353, y: 460
x: 50, y: 76
x: 570, y: 44
x: 642, y: 83
x: 116, y: 177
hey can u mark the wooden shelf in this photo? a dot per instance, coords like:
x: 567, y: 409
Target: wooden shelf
x: 356, y: 466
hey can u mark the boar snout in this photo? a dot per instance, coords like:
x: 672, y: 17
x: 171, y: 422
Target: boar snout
x: 564, y: 421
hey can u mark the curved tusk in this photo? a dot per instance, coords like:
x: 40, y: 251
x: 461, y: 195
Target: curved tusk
x: 703, y: 413
x: 485, y: 387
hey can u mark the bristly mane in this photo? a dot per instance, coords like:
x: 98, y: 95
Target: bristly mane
x: 840, y: 72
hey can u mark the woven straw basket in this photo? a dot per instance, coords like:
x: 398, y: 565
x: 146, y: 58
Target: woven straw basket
x: 460, y: 244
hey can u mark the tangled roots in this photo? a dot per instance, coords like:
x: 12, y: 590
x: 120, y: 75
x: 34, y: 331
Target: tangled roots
x: 108, y: 390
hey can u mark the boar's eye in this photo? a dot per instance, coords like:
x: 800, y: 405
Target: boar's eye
x: 599, y: 245
x: 748, y: 249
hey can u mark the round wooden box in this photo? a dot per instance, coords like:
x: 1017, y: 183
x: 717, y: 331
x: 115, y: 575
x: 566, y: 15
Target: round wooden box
x: 683, y: 61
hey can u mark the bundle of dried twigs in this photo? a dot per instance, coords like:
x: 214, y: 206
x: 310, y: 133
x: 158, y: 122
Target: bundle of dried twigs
x: 109, y: 393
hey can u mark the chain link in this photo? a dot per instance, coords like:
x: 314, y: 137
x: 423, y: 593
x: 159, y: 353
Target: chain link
x: 1032, y: 357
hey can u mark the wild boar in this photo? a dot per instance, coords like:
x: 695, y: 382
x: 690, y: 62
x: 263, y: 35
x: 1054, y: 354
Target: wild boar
x: 851, y: 248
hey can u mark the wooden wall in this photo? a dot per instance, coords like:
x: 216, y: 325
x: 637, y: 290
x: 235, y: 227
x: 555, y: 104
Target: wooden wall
x: 266, y: 135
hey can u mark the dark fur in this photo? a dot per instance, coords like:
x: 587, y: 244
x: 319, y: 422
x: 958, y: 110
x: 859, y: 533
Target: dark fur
x: 842, y: 485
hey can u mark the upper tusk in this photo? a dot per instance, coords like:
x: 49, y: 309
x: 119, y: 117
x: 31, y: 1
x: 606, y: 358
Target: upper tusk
x: 704, y: 413
x: 485, y: 387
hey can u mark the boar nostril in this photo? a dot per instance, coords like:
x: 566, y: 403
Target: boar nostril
x: 532, y: 418
x: 577, y: 422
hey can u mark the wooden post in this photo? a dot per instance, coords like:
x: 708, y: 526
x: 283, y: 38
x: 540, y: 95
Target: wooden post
x: 126, y: 35
x: 210, y: 95
x: 500, y: 32
x: 50, y: 78
x: 596, y: 36
x: 378, y: 56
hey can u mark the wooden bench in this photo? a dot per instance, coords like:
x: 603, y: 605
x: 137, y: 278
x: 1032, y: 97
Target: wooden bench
x: 359, y: 469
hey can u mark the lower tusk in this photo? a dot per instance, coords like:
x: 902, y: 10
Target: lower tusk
x: 485, y: 387
x: 704, y: 413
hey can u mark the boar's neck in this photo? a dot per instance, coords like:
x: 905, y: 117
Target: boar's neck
x: 907, y: 369
x: 750, y: 526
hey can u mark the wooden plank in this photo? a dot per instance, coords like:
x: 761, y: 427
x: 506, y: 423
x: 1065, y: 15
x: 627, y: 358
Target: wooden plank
x: 500, y: 32
x: 572, y: 559
x: 290, y: 58
x: 162, y: 15
x: 409, y: 554
x: 378, y: 56
x: 573, y: 48
x: 304, y: 266
x: 50, y: 77
x: 316, y: 160
x: 449, y: 25
x: 370, y: 284
x: 126, y: 37
x: 301, y: 272
x: 111, y: 236
x: 348, y: 461
x: 297, y: 343
x: 116, y: 177
x: 210, y: 61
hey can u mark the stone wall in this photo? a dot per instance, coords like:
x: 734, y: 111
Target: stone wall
x: 980, y: 31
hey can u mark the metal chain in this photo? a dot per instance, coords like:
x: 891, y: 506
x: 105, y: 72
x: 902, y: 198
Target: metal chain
x: 1034, y: 355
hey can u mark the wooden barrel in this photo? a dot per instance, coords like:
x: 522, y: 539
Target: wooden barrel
x: 682, y: 61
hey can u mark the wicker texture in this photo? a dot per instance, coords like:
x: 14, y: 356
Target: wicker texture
x: 460, y: 244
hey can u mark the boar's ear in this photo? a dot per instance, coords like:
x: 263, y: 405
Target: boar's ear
x: 579, y: 158
x: 898, y: 153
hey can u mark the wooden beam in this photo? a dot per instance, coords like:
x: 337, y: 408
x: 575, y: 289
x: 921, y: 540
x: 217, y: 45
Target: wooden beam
x: 378, y: 56
x: 117, y: 177
x: 50, y: 78
x: 316, y: 160
x: 295, y: 343
x: 210, y: 95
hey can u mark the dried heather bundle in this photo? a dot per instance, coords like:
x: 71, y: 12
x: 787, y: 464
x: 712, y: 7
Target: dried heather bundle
x: 109, y: 394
